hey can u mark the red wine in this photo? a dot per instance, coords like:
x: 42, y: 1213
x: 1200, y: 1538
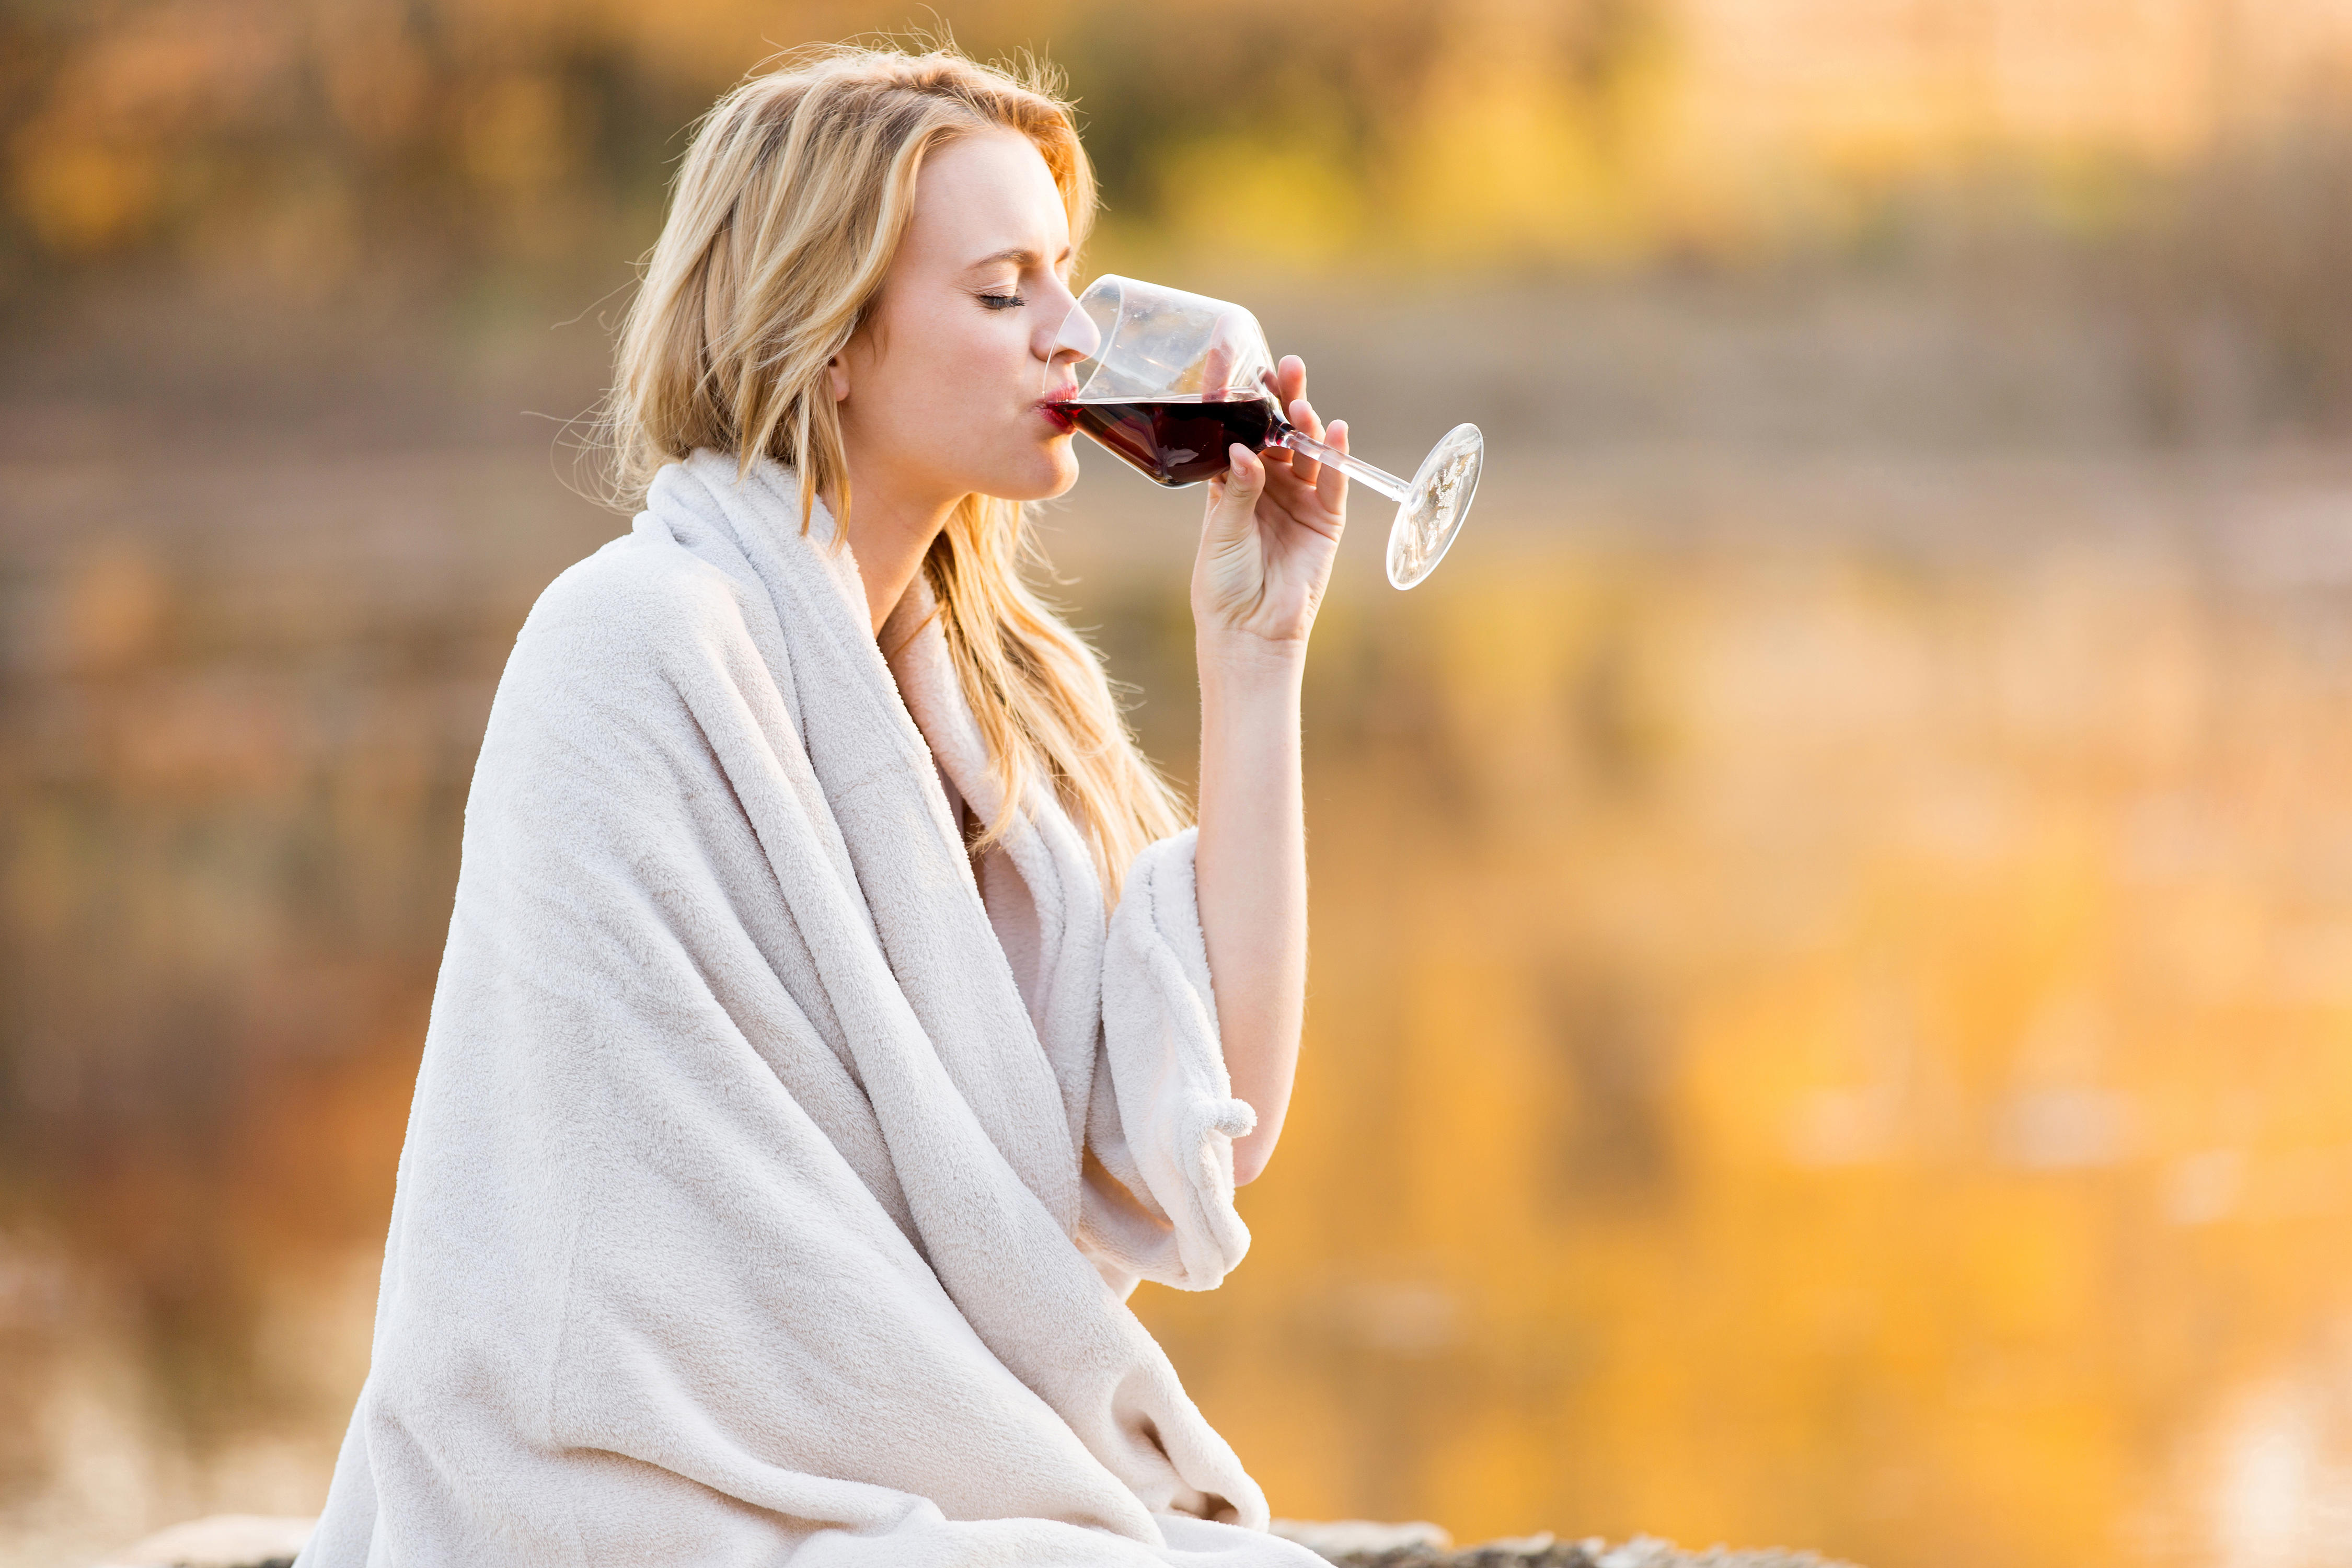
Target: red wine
x: 1175, y: 440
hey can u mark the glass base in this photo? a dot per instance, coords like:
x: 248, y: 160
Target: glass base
x: 1431, y: 515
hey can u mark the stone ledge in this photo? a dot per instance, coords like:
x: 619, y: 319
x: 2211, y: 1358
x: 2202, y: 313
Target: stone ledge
x: 1642, y: 1552
x: 1357, y: 1543
x: 249, y: 1541
x: 223, y: 1540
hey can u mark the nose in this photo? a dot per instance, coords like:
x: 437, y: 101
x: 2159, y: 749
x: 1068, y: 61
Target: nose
x: 1075, y: 336
x: 1078, y: 336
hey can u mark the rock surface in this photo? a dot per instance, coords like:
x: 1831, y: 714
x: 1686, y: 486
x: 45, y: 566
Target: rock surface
x: 223, y: 1540
x: 1358, y: 1544
x: 248, y: 1540
x: 1543, y: 1551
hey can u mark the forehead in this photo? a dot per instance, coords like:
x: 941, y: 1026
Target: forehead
x: 985, y: 193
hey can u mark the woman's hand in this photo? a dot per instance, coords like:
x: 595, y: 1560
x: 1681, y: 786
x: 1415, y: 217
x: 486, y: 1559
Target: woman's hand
x: 1265, y: 557
x: 1271, y: 533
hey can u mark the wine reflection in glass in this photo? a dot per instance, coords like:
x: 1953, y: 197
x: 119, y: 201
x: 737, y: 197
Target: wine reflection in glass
x: 1169, y: 381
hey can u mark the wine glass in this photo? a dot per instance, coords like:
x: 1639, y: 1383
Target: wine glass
x: 1169, y: 381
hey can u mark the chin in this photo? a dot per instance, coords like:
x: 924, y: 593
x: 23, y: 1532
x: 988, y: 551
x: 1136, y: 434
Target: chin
x: 1052, y: 475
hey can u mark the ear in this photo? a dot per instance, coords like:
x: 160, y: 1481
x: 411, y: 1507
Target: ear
x: 836, y: 378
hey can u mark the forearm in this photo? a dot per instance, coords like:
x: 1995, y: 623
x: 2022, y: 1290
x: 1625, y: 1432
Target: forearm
x: 1252, y: 871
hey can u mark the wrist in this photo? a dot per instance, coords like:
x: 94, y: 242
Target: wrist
x: 1239, y: 659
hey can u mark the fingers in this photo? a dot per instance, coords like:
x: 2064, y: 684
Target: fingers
x: 1290, y: 387
x: 1302, y: 417
x: 1233, y: 495
x: 1332, y: 483
x: 1244, y: 472
x: 1298, y: 466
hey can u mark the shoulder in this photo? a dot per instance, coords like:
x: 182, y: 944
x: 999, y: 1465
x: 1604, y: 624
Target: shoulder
x: 643, y: 585
x: 628, y: 647
x: 643, y: 601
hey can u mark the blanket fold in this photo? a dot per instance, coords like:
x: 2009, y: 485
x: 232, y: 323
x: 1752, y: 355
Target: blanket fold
x: 753, y: 1207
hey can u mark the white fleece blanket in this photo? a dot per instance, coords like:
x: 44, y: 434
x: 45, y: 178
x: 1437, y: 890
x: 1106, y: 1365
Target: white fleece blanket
x: 746, y: 1214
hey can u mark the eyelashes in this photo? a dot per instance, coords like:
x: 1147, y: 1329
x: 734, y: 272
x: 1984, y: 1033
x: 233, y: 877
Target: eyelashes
x: 1002, y: 301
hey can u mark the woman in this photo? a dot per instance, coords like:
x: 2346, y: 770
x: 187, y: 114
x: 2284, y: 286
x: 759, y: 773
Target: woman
x: 793, y: 1120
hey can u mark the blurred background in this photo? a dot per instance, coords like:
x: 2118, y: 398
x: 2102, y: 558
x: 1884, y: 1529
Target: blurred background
x: 1832, y: 989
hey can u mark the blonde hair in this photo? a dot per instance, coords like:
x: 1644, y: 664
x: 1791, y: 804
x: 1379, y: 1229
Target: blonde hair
x: 785, y: 218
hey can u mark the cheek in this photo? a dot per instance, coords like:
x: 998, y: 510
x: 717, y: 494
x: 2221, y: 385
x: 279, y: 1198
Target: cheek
x: 992, y: 357
x: 953, y: 397
x: 987, y: 373
x: 962, y: 371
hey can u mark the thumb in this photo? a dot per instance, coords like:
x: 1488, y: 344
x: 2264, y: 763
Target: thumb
x: 1233, y: 495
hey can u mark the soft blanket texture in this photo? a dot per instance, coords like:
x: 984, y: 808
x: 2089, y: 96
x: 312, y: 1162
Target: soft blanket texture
x: 758, y: 1202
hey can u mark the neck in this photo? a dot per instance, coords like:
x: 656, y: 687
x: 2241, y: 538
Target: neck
x: 889, y: 531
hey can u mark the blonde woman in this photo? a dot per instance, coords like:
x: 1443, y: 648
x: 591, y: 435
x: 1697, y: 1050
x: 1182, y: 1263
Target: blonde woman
x: 837, y: 1019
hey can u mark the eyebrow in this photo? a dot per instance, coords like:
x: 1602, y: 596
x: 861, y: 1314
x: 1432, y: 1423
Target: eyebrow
x: 1019, y: 255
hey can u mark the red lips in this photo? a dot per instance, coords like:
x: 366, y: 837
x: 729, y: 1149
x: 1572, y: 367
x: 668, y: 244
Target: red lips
x: 1050, y: 406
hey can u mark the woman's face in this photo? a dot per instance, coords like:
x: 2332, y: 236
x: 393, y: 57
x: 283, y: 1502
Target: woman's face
x: 942, y: 391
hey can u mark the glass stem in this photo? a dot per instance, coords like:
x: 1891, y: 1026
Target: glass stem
x: 1380, y: 479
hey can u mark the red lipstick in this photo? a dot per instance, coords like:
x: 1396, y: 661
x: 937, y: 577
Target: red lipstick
x: 1054, y: 406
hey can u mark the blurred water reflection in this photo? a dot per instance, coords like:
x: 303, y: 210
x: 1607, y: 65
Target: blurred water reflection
x: 1832, y: 984
x: 1862, y: 1062
x: 1833, y: 1013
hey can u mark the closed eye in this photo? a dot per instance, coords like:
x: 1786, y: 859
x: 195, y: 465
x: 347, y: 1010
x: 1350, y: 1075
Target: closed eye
x: 1002, y: 301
